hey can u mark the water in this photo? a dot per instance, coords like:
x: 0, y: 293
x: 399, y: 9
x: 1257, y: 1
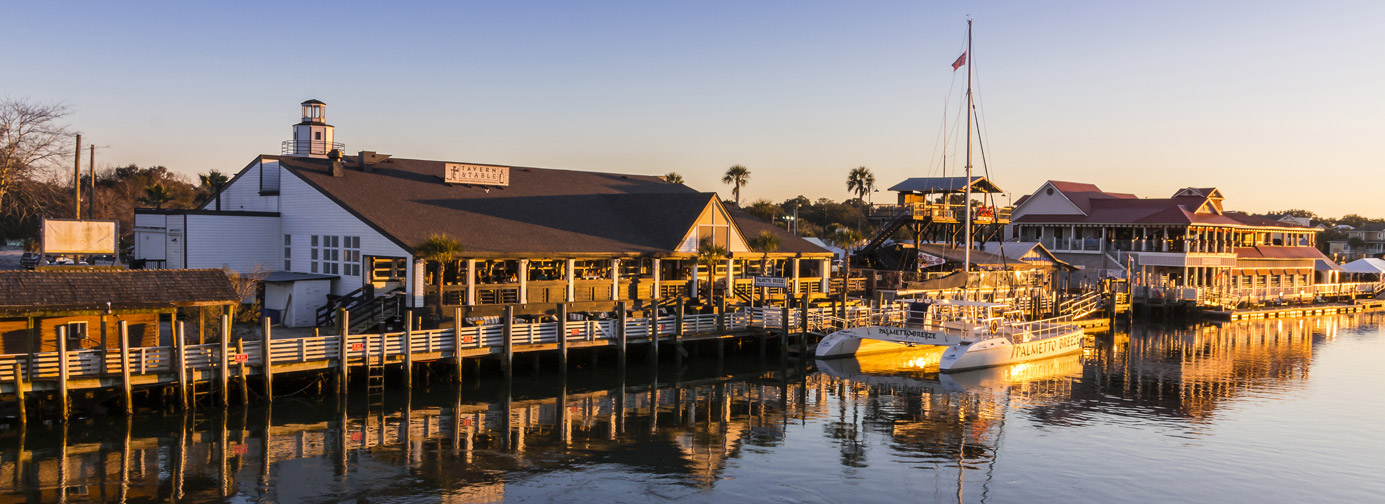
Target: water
x: 1266, y: 411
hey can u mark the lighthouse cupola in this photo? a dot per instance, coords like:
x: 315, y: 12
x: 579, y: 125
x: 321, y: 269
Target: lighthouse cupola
x: 312, y: 137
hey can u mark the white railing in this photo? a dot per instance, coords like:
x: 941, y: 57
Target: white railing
x: 87, y: 363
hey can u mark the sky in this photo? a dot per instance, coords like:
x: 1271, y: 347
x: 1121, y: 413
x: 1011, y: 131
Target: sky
x: 1279, y: 104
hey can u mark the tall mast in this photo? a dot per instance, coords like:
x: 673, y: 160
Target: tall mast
x: 966, y: 202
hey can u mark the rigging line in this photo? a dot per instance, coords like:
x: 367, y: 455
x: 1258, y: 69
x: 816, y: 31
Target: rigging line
x: 942, y: 132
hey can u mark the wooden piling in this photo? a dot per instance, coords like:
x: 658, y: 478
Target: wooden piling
x: 244, y: 373
x: 678, y: 326
x: 507, y: 358
x: 803, y: 335
x: 62, y: 370
x: 408, y: 353
x: 124, y: 336
x: 653, y: 318
x: 721, y: 315
x: 225, y: 359
x: 19, y: 393
x: 344, y: 318
x: 181, y: 363
x: 457, y: 344
x: 786, y: 321
x: 620, y: 329
x: 562, y: 337
x: 267, y: 360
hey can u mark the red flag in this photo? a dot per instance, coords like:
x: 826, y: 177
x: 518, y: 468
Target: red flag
x: 961, y: 60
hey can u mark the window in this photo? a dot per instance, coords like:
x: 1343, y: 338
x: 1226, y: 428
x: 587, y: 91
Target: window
x: 288, y: 252
x: 76, y: 332
x: 338, y: 255
x: 317, y: 135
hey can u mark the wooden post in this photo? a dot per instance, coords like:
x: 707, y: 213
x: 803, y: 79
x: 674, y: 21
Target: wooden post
x: 507, y: 357
x: 62, y: 369
x: 19, y: 395
x: 652, y: 316
x: 457, y: 343
x: 803, y: 334
x: 562, y: 337
x: 124, y: 336
x: 721, y: 315
x: 408, y: 354
x: 267, y: 360
x: 225, y: 359
x: 678, y: 325
x: 180, y: 352
x: 344, y: 318
x: 244, y: 374
x: 620, y: 329
x: 786, y: 321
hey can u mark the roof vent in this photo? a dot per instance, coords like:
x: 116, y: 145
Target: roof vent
x: 369, y: 159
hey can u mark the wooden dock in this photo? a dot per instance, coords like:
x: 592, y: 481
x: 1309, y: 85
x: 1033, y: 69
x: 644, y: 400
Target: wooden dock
x: 193, y: 370
x: 1359, y: 306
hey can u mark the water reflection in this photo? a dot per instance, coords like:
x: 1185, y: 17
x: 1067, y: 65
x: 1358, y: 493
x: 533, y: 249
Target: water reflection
x: 723, y: 431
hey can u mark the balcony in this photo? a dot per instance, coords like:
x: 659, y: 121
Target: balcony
x: 309, y: 147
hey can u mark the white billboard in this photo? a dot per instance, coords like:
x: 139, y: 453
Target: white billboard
x: 67, y: 236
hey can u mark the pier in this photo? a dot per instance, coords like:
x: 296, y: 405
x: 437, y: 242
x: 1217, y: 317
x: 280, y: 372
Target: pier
x: 193, y: 371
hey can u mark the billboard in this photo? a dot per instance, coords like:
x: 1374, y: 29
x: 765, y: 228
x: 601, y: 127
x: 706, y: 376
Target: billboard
x: 68, y: 236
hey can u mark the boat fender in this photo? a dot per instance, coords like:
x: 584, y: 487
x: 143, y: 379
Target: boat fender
x: 995, y: 327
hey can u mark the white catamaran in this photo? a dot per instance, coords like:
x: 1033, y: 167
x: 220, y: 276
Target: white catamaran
x: 978, y: 334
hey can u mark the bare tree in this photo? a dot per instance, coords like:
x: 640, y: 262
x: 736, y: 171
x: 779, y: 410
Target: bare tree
x: 32, y: 138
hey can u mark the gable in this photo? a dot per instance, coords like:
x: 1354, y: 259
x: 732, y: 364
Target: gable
x: 716, y: 222
x: 1047, y: 200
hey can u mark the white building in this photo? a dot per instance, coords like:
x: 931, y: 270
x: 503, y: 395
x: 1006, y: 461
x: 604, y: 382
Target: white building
x: 325, y: 225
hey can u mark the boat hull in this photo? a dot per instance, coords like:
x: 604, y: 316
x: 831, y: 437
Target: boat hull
x: 877, y: 339
x: 1000, y: 351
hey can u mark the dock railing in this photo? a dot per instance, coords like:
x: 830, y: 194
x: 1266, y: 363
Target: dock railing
x: 204, y: 361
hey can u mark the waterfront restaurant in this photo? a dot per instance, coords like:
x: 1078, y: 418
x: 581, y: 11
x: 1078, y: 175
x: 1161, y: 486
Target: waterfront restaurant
x: 530, y: 238
x: 1184, y: 241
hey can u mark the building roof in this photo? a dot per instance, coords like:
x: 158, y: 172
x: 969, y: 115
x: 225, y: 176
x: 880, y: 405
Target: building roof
x: 88, y: 289
x: 1278, y: 252
x: 1368, y: 265
x: 541, y: 212
x: 928, y: 185
x: 1189, y: 205
x: 789, y: 243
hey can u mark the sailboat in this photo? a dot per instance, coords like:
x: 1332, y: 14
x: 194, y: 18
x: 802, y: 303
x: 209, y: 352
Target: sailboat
x: 976, y: 333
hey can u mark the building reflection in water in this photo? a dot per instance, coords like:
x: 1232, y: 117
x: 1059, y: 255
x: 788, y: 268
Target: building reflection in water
x: 465, y: 444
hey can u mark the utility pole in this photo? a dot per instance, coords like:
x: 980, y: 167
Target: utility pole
x: 77, y: 178
x: 91, y: 194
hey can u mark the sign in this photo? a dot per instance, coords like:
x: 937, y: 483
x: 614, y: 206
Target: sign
x: 457, y: 173
x: 927, y: 260
x: 773, y: 282
x: 240, y: 449
x: 356, y: 347
x: 467, y: 338
x: 242, y: 358
x: 67, y: 236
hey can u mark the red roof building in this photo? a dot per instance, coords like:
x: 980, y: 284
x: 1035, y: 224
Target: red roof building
x: 1186, y: 240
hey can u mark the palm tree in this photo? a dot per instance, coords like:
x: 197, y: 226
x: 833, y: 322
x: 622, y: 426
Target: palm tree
x: 846, y: 239
x: 709, y: 253
x: 673, y: 178
x: 861, y: 182
x: 764, y: 243
x: 156, y: 195
x: 439, y: 249
x: 737, y: 176
x: 213, y: 181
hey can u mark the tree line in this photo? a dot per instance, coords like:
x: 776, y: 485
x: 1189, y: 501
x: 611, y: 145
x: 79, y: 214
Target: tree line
x: 36, y: 177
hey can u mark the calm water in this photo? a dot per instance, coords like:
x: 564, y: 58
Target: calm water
x: 1274, y: 411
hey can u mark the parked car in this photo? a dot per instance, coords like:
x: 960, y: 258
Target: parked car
x: 29, y: 260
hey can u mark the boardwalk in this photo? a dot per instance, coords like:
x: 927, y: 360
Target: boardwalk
x: 218, y: 364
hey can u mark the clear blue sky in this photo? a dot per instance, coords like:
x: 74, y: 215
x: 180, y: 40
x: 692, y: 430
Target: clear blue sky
x: 1280, y: 104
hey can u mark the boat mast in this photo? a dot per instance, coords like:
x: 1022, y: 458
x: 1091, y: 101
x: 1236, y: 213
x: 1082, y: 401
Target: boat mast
x: 966, y: 202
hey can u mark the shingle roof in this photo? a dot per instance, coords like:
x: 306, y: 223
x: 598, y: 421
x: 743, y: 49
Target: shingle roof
x: 945, y: 185
x: 81, y: 289
x: 789, y: 243
x: 541, y: 212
